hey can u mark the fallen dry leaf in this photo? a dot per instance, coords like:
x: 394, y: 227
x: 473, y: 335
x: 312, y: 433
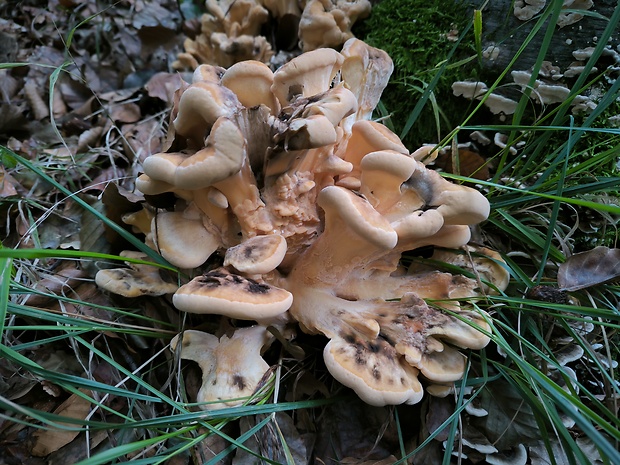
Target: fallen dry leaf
x: 586, y: 269
x: 50, y: 440
x: 7, y: 184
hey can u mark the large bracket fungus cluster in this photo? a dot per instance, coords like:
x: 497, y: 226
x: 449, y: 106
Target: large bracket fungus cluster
x: 301, y: 208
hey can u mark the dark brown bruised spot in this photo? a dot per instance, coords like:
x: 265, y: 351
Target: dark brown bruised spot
x: 209, y: 281
x: 374, y: 348
x: 239, y: 382
x: 257, y: 288
x: 248, y: 251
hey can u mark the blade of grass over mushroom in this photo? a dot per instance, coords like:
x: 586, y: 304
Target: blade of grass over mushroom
x: 574, y: 312
x: 6, y: 268
x: 551, y: 13
x: 529, y: 194
x: 63, y: 253
x: 454, y: 417
x: 585, y: 417
x: 454, y: 424
x: 524, y: 233
x: 45, y: 420
x: 158, y: 259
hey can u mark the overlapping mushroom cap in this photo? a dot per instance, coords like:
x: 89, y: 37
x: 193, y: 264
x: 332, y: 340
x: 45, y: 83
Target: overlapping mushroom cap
x: 299, y: 209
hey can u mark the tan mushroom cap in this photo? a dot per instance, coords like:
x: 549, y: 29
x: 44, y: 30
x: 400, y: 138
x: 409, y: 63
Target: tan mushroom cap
x: 222, y: 157
x: 251, y: 82
x: 182, y: 240
x: 383, y: 173
x: 309, y: 133
x: 135, y: 281
x: 335, y: 104
x: 257, y: 255
x: 376, y: 373
x: 220, y: 292
x: 206, y: 72
x: 366, y: 71
x: 367, y: 137
x: 232, y: 367
x: 484, y: 262
x: 308, y: 74
x: 358, y: 215
x: 200, y: 106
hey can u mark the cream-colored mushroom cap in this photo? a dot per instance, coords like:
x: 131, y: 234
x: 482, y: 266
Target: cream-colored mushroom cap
x: 183, y: 240
x: 220, y: 292
x: 308, y: 74
x: 370, y: 136
x: 135, y: 281
x: 377, y: 374
x: 251, y: 82
x: 257, y: 255
x: 200, y: 106
x: 222, y: 157
x: 383, y: 173
x: 208, y: 73
x: 358, y: 215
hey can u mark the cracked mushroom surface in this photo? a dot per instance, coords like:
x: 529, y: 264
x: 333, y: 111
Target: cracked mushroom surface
x: 308, y: 208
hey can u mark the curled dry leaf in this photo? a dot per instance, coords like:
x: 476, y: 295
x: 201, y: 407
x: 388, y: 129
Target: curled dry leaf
x: 589, y: 268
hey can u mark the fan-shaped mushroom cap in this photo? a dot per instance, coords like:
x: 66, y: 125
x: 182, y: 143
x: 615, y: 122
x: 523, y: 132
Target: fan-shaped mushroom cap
x: 373, y: 370
x: 309, y: 133
x: 251, y: 82
x: 482, y: 261
x: 383, y: 174
x: 200, y: 106
x: 366, y: 71
x: 135, y: 281
x: 183, y: 240
x: 208, y: 73
x: 222, y: 157
x: 220, y: 292
x: 232, y: 367
x: 257, y: 255
x: 308, y: 74
x: 366, y: 137
x: 358, y: 215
